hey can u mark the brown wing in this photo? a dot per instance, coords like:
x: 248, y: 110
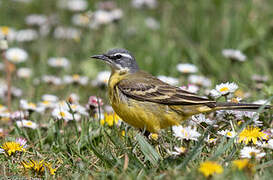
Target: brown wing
x: 145, y: 87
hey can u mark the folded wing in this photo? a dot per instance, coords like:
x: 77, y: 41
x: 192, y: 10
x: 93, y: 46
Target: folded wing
x: 145, y: 87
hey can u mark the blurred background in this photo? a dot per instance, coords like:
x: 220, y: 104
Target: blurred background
x: 160, y: 34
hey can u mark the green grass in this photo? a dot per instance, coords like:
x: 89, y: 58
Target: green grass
x: 192, y: 31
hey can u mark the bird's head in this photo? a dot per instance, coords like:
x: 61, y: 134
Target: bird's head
x: 119, y: 60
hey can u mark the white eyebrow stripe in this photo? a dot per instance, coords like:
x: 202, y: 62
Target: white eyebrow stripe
x: 124, y: 55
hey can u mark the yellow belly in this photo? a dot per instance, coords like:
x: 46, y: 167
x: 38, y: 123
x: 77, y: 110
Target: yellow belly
x: 146, y: 115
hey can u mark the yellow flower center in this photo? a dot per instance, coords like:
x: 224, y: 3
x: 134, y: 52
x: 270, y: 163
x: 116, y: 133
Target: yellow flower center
x: 45, y: 102
x: 154, y: 136
x: 29, y: 123
x: 62, y: 114
x: 229, y: 134
x: 223, y: 89
x: 252, y: 154
x: 84, y: 19
x: 76, y: 77
x: 184, y: 132
x: 73, y: 106
x: 182, y: 149
x: 32, y: 105
x: 5, y: 30
x: 59, y: 61
x: 15, y: 57
x: 105, y: 81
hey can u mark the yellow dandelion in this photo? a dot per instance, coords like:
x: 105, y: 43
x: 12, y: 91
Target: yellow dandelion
x: 251, y: 134
x: 12, y: 147
x: 39, y: 166
x: 209, y: 168
x: 110, y: 119
x: 242, y: 164
x: 123, y: 133
x: 153, y: 136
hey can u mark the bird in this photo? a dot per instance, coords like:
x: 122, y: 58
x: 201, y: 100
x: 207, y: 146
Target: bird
x: 147, y: 103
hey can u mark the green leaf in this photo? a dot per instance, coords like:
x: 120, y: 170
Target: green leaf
x: 148, y: 151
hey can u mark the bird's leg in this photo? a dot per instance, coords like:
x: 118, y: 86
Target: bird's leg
x: 145, y: 133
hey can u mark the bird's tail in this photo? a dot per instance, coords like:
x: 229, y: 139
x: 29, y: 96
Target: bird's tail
x: 239, y: 106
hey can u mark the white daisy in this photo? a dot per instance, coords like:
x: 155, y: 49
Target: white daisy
x: 197, y: 119
x: 73, y: 5
x: 227, y: 133
x: 226, y: 88
x: 46, y: 104
x: 58, y: 62
x: 8, y: 33
x: 76, y: 108
x: 170, y: 80
x: 62, y: 114
x: 24, y: 104
x: 3, y: 108
x: 187, y: 68
x: 102, y: 17
x: 102, y: 78
x: 234, y: 54
x: 30, y: 106
x: 199, y: 80
x: 187, y: 133
x: 259, y: 78
x: 74, y: 98
x: 178, y: 151
x: 214, y: 93
x: 26, y: 35
x: 75, y: 78
x: 27, y: 123
x: 3, y: 46
x: 144, y: 3
x: 191, y: 88
x: 151, y: 23
x: 50, y: 97
x: 24, y: 72
x: 251, y: 152
x: 62, y: 105
x: 66, y: 33
x: 36, y: 19
x: 81, y: 19
x: 19, y: 115
x: 16, y: 55
x: 22, y: 142
x: 211, y: 140
x: 50, y: 79
x: 268, y: 144
x: 48, y: 101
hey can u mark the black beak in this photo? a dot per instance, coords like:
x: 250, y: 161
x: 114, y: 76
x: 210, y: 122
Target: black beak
x: 102, y: 57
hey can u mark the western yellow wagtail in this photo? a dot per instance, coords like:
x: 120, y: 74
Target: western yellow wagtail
x: 146, y: 102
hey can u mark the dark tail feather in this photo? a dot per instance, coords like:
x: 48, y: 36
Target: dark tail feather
x: 239, y: 106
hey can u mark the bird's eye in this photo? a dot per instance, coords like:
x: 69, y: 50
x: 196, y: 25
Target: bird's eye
x: 118, y: 56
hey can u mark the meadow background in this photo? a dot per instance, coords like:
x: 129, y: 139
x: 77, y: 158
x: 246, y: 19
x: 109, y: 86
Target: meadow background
x: 160, y: 36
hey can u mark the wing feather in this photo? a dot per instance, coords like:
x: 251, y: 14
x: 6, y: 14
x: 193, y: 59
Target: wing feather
x: 145, y: 87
